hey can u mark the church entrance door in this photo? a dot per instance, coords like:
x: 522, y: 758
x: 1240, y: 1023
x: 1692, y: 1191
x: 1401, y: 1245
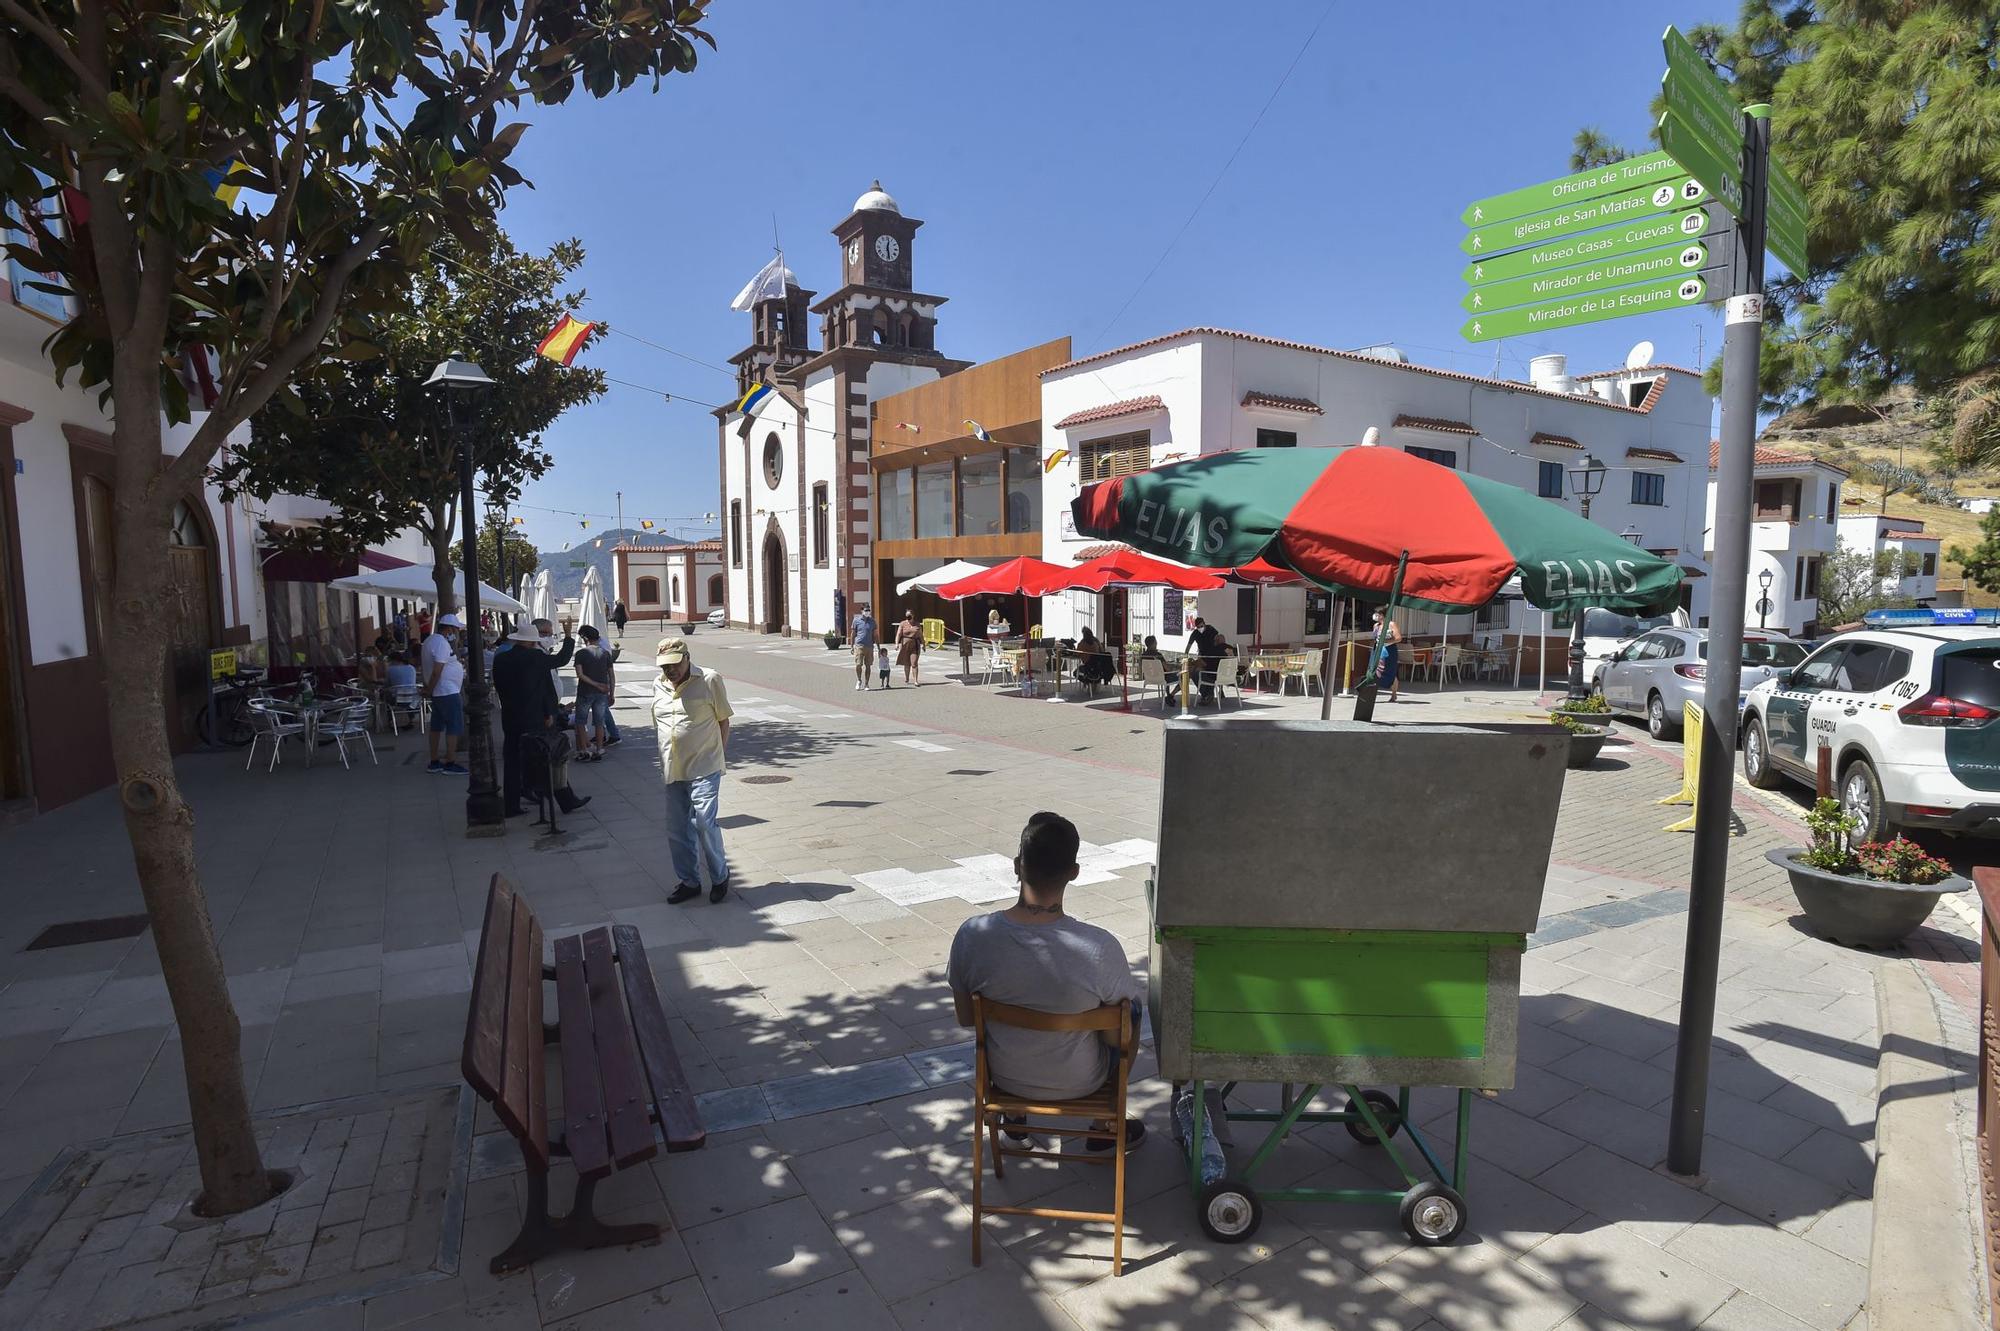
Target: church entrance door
x: 774, y: 583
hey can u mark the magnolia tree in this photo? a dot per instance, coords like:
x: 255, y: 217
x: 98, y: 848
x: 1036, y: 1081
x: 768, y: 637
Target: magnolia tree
x: 365, y: 131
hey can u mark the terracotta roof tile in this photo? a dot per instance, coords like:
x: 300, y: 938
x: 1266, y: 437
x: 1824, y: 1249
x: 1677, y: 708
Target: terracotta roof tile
x: 1279, y: 402
x: 1090, y: 552
x: 1553, y: 440
x: 1129, y: 407
x: 1436, y: 423
x: 1511, y: 384
x: 1774, y: 457
x: 1653, y: 454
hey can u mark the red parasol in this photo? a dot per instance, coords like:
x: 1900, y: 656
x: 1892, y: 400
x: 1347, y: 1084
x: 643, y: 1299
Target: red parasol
x: 1126, y: 567
x: 1023, y: 575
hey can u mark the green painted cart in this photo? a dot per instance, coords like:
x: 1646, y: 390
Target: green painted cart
x: 1324, y: 966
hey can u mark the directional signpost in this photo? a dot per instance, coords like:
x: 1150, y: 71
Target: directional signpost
x: 1667, y: 230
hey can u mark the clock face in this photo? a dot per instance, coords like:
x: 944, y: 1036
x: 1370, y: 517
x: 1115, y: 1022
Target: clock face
x: 854, y: 250
x: 886, y: 248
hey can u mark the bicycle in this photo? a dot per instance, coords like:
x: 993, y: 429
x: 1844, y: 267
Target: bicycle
x: 231, y: 703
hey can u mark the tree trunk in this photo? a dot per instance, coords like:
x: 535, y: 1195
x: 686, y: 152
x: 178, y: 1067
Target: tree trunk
x: 443, y: 575
x: 158, y: 821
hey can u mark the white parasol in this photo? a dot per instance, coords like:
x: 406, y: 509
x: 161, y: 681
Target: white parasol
x: 590, y: 606
x: 541, y: 596
x: 414, y: 582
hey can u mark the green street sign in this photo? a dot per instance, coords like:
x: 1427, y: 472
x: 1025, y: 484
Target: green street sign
x: 1784, y: 195
x: 1670, y: 293
x: 1608, y: 243
x: 1723, y: 134
x: 1639, y: 206
x: 1722, y: 174
x: 1786, y: 239
x: 1694, y: 82
x: 1674, y: 261
x: 1634, y: 172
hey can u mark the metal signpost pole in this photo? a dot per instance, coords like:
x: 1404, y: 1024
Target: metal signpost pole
x: 1742, y: 339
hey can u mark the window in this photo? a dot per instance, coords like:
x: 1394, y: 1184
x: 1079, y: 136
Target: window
x: 1549, y: 483
x: 774, y: 460
x: 1277, y: 439
x: 1777, y: 501
x: 1813, y: 567
x: 1799, y: 578
x: 1246, y: 612
x: 934, y: 500
x: 1819, y: 668
x: 735, y: 537
x: 1649, y: 487
x: 1319, y: 613
x: 1869, y: 667
x: 1930, y: 565
x: 1444, y: 457
x: 715, y: 589
x: 1024, y: 492
x: 1832, y: 500
x: 819, y: 525
x: 1117, y: 455
x: 979, y: 495
x: 892, y: 505
x: 649, y: 591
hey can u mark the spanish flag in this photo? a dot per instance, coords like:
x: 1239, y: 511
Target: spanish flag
x: 564, y: 340
x: 1052, y: 460
x: 749, y: 401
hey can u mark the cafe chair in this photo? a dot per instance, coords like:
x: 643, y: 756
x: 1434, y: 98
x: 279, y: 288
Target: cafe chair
x: 346, y: 723
x: 1116, y: 1026
x: 1226, y: 679
x: 1153, y: 675
x: 273, y: 723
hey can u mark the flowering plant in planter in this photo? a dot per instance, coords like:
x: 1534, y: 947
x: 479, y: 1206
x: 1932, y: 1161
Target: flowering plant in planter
x: 1900, y: 861
x: 1593, y: 705
x: 1830, y: 827
x: 1576, y: 724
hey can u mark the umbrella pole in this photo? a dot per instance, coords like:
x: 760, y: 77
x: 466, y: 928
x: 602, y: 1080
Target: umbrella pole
x: 1369, y: 685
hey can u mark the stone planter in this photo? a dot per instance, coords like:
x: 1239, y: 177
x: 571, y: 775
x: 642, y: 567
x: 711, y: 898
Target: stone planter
x: 832, y: 643
x: 1584, y: 746
x: 1860, y: 911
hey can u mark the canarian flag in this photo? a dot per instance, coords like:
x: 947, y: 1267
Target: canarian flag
x: 564, y: 340
x: 1050, y: 462
x: 218, y: 177
x: 913, y: 429
x: 584, y: 522
x: 748, y: 402
x: 519, y: 521
x: 978, y: 431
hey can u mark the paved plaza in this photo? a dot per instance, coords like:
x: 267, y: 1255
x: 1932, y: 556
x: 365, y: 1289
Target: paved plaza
x: 810, y: 1013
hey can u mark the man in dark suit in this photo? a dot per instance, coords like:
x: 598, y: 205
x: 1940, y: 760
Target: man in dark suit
x: 524, y: 678
x: 1206, y: 643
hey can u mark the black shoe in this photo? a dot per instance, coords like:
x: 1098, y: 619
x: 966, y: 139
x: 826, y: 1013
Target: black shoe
x: 719, y: 891
x: 614, y: 741
x: 1135, y: 1132
x: 1007, y: 1124
x: 682, y: 893
x: 570, y: 802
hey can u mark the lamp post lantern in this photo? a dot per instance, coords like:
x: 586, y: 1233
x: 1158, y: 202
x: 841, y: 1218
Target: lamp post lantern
x: 1586, y: 479
x: 1764, y: 581
x: 458, y: 378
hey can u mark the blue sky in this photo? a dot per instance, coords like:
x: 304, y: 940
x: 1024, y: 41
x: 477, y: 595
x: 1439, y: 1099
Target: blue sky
x: 1052, y: 153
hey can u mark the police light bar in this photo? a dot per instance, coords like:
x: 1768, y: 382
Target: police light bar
x: 1916, y: 619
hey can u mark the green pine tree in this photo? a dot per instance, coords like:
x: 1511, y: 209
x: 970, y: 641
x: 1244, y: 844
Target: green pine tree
x: 1982, y: 561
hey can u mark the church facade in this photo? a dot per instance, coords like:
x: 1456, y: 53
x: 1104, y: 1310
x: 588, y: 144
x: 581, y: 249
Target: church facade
x: 796, y: 489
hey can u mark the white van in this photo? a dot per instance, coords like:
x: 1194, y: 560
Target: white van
x: 1605, y: 631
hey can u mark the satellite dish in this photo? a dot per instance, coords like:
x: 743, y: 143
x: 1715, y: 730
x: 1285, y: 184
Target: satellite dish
x: 1639, y: 355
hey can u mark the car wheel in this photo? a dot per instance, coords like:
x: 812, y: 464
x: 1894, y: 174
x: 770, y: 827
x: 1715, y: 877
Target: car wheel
x: 1861, y: 798
x: 1657, y: 723
x: 1597, y: 688
x: 1757, y: 769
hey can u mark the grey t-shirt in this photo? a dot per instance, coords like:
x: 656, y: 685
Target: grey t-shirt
x: 1062, y: 966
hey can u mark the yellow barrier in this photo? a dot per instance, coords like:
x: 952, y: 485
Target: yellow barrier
x: 1690, y: 756
x: 933, y: 633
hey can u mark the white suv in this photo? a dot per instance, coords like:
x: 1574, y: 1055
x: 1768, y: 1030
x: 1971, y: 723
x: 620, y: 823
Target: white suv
x: 1912, y: 716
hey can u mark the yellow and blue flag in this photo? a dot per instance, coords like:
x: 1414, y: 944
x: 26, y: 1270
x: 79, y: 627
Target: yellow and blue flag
x: 978, y: 431
x: 749, y: 401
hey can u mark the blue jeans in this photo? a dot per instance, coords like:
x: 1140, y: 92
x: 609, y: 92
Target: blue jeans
x: 593, y: 709
x: 692, y: 831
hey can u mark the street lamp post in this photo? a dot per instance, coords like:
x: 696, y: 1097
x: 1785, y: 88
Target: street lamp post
x: 1586, y: 479
x: 458, y: 378
x: 1764, y: 581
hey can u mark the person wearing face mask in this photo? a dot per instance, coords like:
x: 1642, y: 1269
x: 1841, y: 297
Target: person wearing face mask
x: 691, y: 716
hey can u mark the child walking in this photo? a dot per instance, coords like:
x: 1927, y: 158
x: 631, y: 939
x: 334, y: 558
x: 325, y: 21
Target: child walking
x: 882, y: 664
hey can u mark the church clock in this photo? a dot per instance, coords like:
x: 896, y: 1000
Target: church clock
x: 887, y: 248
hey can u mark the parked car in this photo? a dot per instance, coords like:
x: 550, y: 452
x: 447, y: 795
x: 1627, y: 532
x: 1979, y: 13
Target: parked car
x: 1656, y: 674
x: 1911, y: 715
x: 1606, y: 631
x: 718, y: 618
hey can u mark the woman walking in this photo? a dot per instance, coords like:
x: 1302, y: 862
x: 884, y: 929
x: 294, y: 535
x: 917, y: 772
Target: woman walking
x: 909, y: 646
x: 1388, y: 637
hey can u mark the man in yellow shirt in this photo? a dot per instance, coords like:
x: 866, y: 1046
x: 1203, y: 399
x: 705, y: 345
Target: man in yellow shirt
x: 691, y: 715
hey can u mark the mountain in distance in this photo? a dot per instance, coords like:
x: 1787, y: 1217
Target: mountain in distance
x: 566, y: 567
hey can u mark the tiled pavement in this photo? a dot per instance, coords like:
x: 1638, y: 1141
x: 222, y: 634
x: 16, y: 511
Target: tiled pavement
x: 809, y: 1012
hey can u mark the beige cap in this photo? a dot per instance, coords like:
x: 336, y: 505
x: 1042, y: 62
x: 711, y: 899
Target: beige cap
x: 672, y: 651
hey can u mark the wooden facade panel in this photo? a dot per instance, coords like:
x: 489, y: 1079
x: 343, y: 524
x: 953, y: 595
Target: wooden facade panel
x: 962, y: 547
x: 1004, y: 395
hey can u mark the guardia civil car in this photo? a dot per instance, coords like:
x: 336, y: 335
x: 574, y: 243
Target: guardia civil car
x: 1909, y: 706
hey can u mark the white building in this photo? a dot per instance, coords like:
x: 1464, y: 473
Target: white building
x: 662, y: 584
x: 1208, y: 390
x: 796, y: 488
x: 1916, y: 554
x: 1794, y: 517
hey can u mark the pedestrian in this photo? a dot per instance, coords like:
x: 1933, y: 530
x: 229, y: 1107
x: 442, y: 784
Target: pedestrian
x: 1205, y: 643
x: 691, y: 716
x: 909, y: 646
x: 596, y: 685
x: 1388, y: 639
x: 861, y: 635
x: 619, y: 616
x: 1035, y: 956
x: 444, y: 682
x: 839, y: 609
x: 996, y: 627
x: 402, y: 622
x: 882, y: 663
x: 526, y: 686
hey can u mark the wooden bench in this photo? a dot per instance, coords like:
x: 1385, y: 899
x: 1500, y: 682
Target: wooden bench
x: 620, y: 1075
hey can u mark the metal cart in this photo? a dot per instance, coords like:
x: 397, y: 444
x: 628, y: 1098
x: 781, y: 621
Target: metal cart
x: 1338, y: 904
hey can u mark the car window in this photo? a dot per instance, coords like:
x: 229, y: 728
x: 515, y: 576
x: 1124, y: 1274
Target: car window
x: 1971, y: 676
x: 1869, y: 666
x: 1766, y: 652
x: 1818, y: 670
x: 1651, y: 648
x: 1671, y: 647
x: 1601, y: 623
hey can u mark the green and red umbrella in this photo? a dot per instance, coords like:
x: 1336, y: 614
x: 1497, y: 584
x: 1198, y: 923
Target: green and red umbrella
x: 1344, y: 519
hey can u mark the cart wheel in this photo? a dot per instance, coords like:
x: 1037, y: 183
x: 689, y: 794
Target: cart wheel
x: 1433, y: 1214
x: 1229, y: 1211
x: 1385, y: 1108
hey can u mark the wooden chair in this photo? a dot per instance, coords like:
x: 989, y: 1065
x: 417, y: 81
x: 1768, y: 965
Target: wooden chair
x: 1114, y: 1022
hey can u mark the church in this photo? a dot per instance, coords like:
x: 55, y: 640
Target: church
x: 796, y: 489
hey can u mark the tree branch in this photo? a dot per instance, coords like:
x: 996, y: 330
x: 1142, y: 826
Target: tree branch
x: 59, y: 48
x: 280, y: 220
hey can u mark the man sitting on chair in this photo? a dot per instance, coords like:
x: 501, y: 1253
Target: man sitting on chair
x: 1034, y: 956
